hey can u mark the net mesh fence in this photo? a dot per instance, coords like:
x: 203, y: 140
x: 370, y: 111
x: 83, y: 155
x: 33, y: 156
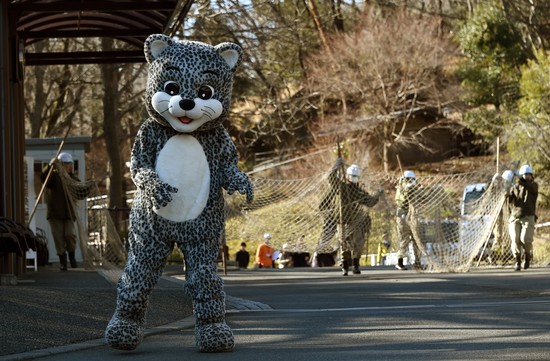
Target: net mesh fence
x: 458, y: 221
x: 98, y: 237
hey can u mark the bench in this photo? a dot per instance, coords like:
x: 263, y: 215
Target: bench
x: 18, y: 244
x: 11, y: 239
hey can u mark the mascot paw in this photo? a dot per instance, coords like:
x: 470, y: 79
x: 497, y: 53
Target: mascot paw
x: 123, y: 334
x: 240, y: 182
x: 162, y: 195
x: 214, y: 337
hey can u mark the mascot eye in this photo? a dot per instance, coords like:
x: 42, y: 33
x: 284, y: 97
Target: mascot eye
x: 205, y: 92
x: 171, y: 88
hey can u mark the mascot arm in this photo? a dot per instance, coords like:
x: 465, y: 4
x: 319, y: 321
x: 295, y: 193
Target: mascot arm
x: 235, y: 179
x: 143, y: 171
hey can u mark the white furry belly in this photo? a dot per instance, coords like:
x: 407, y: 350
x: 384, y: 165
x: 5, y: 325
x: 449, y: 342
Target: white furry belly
x: 182, y: 164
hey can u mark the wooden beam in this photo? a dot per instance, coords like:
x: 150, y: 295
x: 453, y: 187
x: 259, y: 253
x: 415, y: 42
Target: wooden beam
x: 111, y: 33
x: 93, y: 5
x: 92, y: 57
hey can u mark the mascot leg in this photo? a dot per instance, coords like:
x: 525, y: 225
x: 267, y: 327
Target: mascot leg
x: 146, y: 261
x: 205, y: 288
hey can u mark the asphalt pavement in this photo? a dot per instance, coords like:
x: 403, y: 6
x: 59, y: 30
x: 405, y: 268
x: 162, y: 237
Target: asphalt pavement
x: 302, y: 314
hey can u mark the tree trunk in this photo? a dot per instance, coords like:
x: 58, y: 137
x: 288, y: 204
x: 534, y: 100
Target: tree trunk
x: 337, y: 18
x: 385, y: 160
x: 111, y: 128
x: 312, y: 7
x: 36, y: 112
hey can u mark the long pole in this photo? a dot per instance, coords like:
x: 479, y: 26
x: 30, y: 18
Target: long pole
x: 340, y: 203
x: 498, y: 153
x: 399, y: 163
x: 47, y: 177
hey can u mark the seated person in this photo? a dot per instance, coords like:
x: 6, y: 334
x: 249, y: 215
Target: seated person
x: 300, y: 259
x: 285, y: 258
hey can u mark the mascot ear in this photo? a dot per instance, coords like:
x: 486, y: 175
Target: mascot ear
x: 154, y: 45
x: 231, y: 53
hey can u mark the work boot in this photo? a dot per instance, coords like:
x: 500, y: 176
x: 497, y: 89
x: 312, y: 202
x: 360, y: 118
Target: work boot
x: 400, y: 265
x: 518, y: 263
x: 345, y: 266
x: 72, y: 260
x: 356, y: 270
x: 527, y: 260
x: 63, y: 262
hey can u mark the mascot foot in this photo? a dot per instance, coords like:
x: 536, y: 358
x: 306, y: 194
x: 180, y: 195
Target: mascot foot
x: 214, y: 337
x: 123, y: 334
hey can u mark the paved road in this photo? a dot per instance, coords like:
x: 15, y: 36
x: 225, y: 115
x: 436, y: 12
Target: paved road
x: 382, y: 314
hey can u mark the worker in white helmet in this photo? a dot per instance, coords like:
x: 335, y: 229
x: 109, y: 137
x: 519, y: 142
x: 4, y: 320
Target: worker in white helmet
x: 60, y: 207
x: 499, y: 245
x: 354, y: 218
x: 406, y: 189
x: 522, y: 203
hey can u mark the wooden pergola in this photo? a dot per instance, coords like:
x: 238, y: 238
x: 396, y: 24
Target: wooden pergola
x: 24, y: 22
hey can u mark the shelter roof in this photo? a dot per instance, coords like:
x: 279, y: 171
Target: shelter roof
x: 126, y: 20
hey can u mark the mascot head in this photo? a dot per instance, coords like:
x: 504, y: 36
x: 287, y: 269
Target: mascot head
x: 189, y: 83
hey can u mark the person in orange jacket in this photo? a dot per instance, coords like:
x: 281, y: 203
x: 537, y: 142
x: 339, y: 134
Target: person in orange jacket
x: 264, y: 253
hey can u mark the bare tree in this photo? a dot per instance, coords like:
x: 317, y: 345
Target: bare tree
x: 53, y: 94
x: 271, y: 109
x: 119, y: 102
x: 388, y: 68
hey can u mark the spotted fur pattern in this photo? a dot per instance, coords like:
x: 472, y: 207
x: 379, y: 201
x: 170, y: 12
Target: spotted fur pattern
x: 182, y: 158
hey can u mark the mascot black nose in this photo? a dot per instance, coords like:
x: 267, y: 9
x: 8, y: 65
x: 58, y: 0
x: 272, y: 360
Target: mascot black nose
x: 187, y: 104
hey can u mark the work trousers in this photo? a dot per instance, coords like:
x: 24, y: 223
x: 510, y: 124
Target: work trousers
x: 405, y: 236
x: 64, y: 235
x: 522, y: 231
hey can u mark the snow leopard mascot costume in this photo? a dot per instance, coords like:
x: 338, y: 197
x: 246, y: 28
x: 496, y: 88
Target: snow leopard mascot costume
x: 181, y: 159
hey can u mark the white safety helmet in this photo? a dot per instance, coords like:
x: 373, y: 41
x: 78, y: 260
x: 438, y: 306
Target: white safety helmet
x: 353, y: 173
x: 508, y: 175
x: 267, y: 235
x: 409, y: 177
x: 526, y: 169
x: 65, y: 157
x: 409, y: 174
